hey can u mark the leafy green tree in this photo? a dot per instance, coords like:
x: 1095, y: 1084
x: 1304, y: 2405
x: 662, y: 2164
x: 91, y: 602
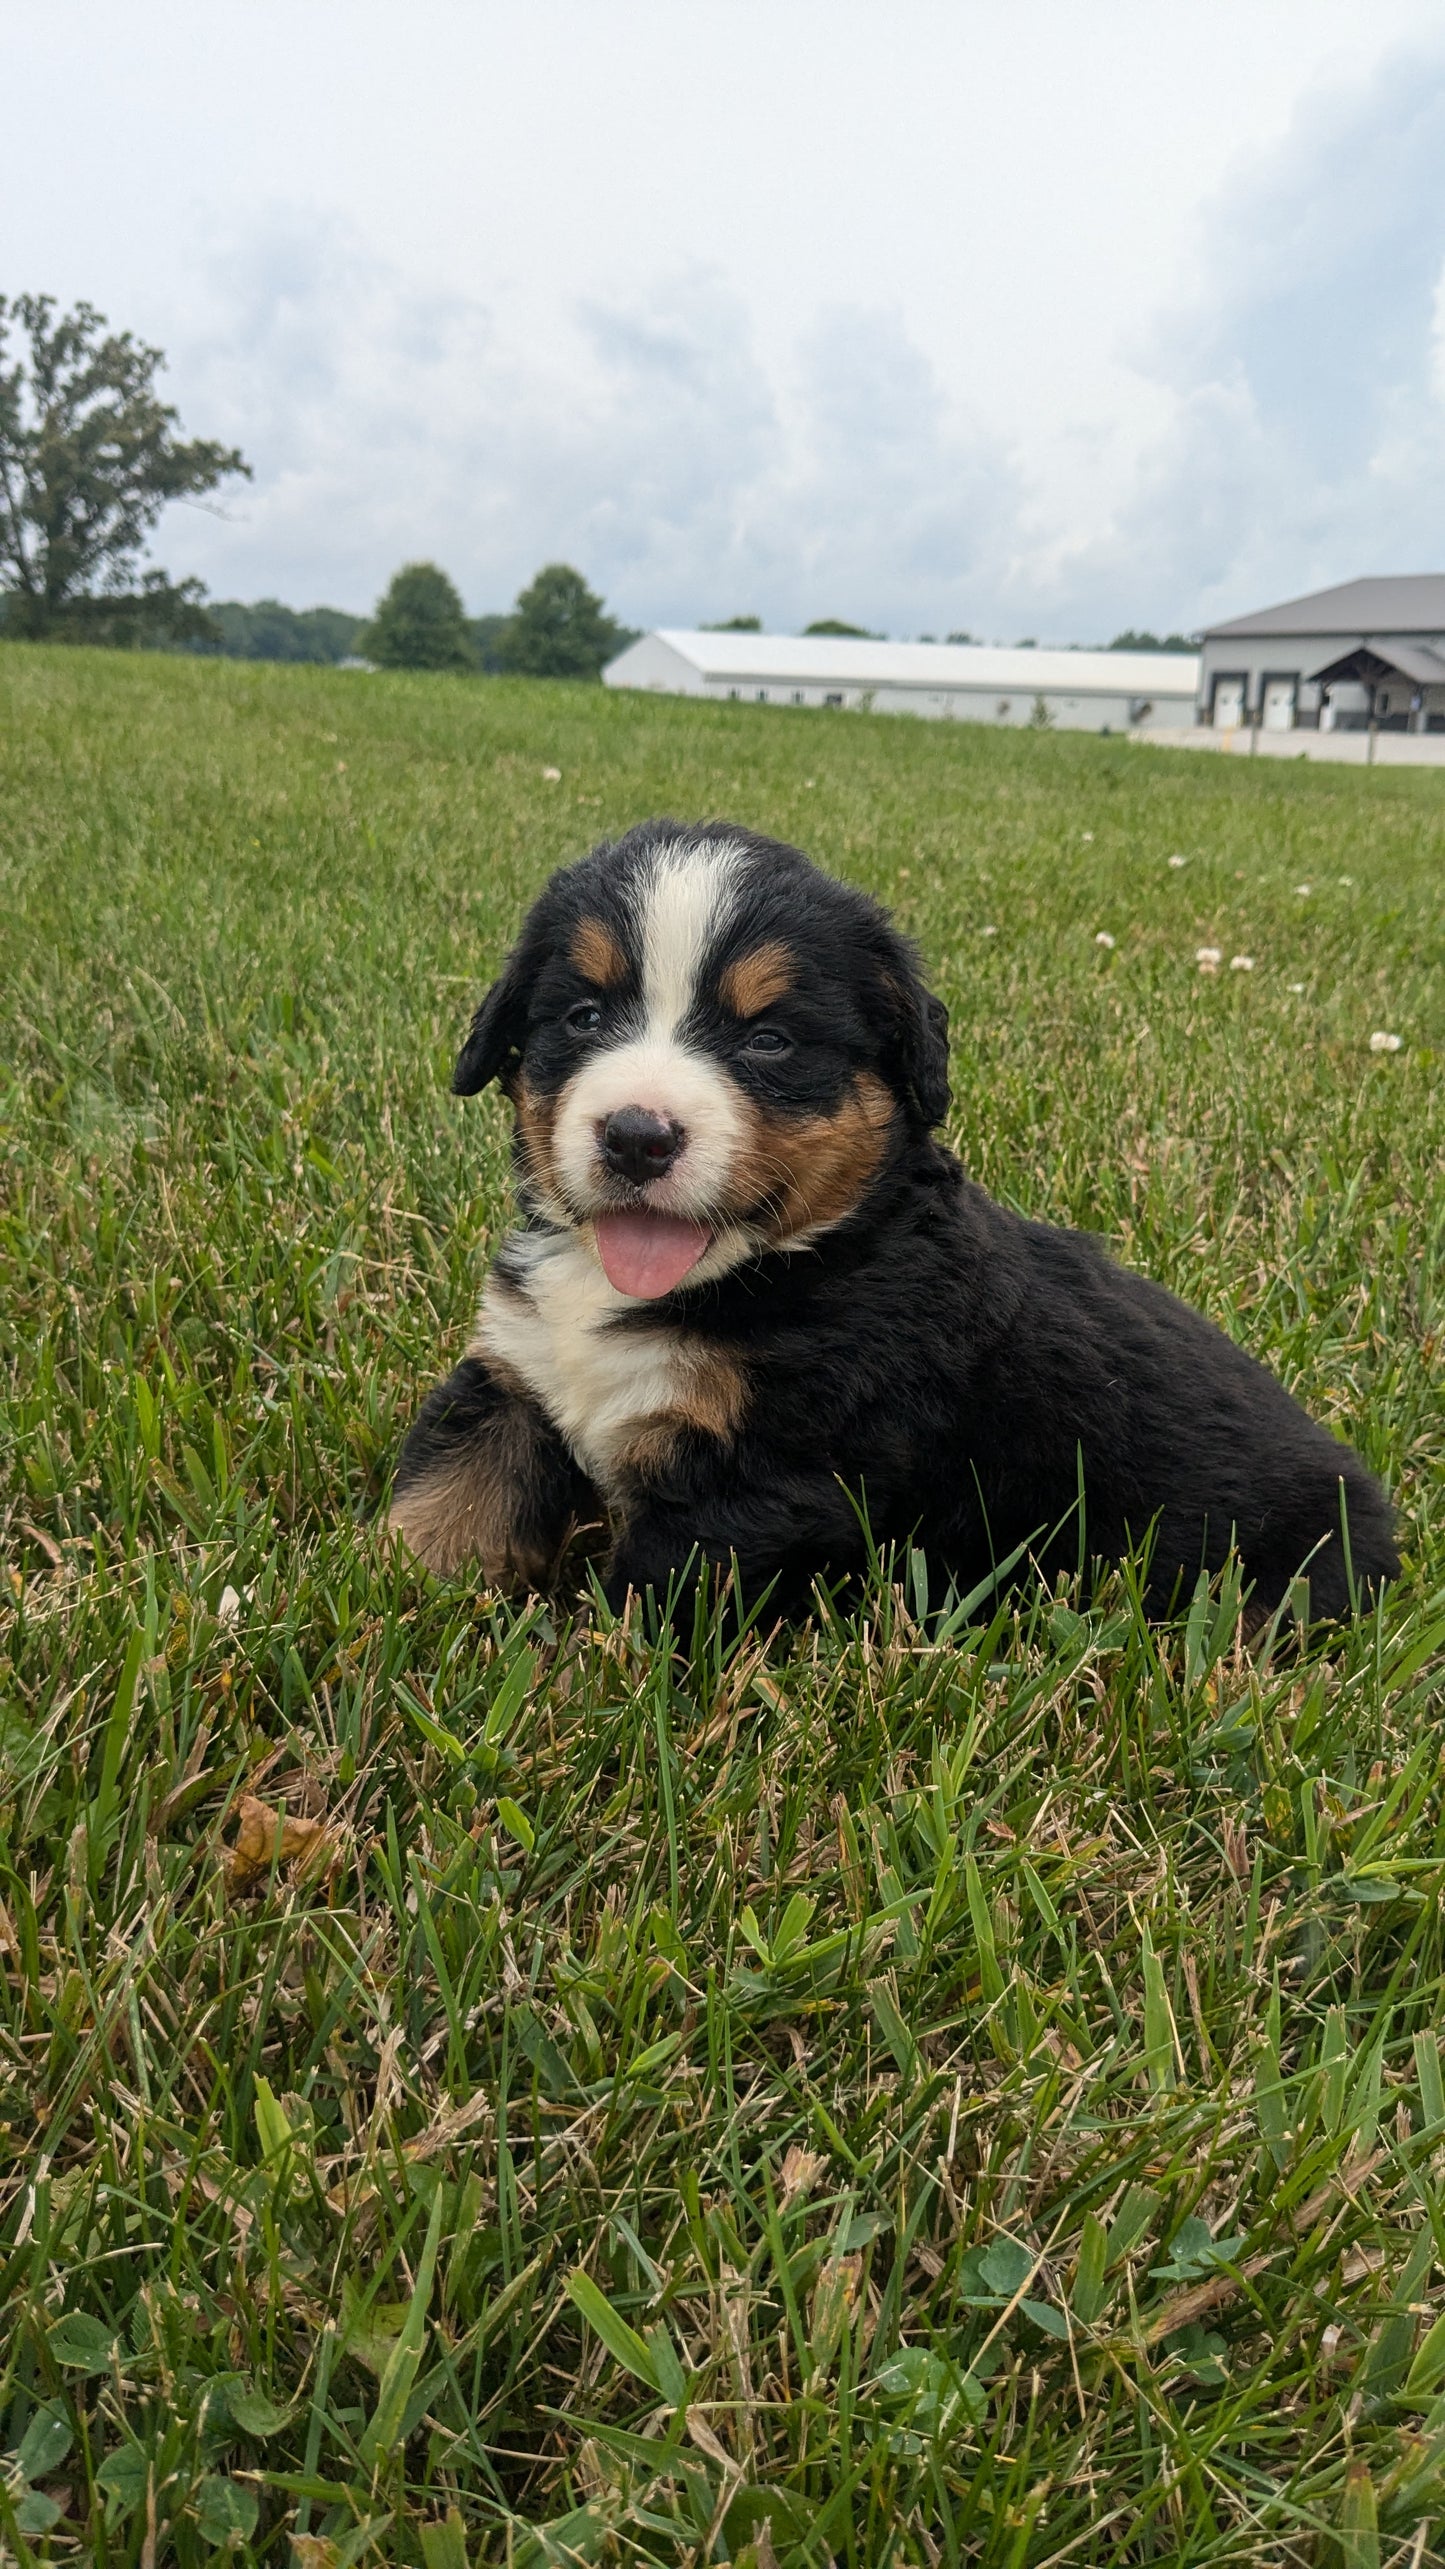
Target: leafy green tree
x: 560, y: 629
x: 736, y: 624
x: 835, y: 624
x: 419, y: 624
x: 89, y: 457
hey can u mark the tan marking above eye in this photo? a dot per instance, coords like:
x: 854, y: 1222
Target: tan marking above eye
x: 757, y: 980
x: 597, y: 954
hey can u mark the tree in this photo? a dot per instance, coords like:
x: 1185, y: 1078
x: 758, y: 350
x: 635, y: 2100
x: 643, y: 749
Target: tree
x: 270, y: 631
x: 488, y: 636
x: 419, y: 623
x: 89, y: 457
x: 560, y: 629
x: 835, y: 624
x: 1152, y: 642
x: 736, y: 624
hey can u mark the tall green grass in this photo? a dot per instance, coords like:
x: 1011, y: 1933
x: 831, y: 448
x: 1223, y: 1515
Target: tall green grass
x: 926, y: 2090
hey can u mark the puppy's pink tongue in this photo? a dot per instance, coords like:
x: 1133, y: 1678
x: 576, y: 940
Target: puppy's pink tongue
x: 646, y: 1254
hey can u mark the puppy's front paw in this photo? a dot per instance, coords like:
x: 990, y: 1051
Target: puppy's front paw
x: 456, y: 1514
x: 485, y: 1478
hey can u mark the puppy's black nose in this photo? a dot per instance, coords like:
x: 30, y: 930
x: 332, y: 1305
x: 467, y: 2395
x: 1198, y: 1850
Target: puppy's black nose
x: 639, y: 1145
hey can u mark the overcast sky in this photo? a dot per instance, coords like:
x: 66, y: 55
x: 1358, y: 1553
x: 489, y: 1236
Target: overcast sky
x: 1040, y: 319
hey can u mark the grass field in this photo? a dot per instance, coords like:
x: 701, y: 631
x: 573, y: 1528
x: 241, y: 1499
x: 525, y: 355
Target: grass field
x: 928, y: 2090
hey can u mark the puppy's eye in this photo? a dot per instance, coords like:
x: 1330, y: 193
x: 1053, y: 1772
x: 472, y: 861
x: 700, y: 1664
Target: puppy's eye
x: 767, y: 1042
x: 584, y: 1019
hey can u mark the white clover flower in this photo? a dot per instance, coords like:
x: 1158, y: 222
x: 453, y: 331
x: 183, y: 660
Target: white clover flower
x: 1088, y: 838
x: 1208, y: 958
x: 1241, y: 963
x: 1177, y: 861
x: 1297, y: 989
x: 1104, y: 939
x: 1347, y: 878
x: 1304, y: 889
x: 551, y: 775
x: 1381, y: 1043
x: 988, y: 932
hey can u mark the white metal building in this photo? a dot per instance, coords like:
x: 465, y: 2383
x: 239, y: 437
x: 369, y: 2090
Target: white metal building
x: 957, y: 681
x: 1367, y: 655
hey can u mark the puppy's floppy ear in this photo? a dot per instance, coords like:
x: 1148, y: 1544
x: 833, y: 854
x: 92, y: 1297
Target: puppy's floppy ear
x: 494, y: 1045
x: 920, y: 1040
x: 929, y: 1068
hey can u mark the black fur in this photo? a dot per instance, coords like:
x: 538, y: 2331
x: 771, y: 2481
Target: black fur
x: 956, y: 1365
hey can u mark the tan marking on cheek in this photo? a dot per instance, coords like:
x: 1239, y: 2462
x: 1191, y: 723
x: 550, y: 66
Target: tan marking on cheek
x: 597, y: 954
x: 711, y: 1402
x: 536, y: 1118
x: 757, y: 980
x: 809, y: 1172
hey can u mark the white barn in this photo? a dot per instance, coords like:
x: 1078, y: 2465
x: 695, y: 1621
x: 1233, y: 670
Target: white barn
x: 943, y: 681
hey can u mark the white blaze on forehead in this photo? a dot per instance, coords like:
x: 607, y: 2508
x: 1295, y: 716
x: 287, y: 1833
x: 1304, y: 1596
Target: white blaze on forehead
x: 683, y: 902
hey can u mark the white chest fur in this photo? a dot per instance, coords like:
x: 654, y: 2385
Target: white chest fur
x: 597, y: 1383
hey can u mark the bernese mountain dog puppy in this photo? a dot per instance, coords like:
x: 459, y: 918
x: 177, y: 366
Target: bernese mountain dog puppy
x: 754, y: 1302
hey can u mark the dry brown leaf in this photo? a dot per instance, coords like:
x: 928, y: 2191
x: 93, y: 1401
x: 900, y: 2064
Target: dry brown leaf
x: 44, y: 1543
x: 265, y: 1836
x: 706, y: 2442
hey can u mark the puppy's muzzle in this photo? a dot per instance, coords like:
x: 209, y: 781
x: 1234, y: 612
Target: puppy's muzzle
x: 640, y: 1146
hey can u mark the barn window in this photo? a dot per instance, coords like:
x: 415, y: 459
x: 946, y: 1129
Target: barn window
x: 832, y: 700
x: 762, y: 695
x: 798, y: 696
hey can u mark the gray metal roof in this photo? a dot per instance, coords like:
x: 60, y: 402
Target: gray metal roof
x: 1379, y: 652
x: 1414, y: 603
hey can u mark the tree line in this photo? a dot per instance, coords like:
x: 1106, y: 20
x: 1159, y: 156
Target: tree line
x: 558, y: 628
x: 89, y: 457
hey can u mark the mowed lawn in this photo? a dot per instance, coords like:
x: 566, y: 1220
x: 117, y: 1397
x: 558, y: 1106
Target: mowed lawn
x: 476, y: 2087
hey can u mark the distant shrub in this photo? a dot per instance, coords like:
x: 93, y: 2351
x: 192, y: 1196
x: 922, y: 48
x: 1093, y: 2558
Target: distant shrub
x: 1132, y: 641
x: 270, y: 631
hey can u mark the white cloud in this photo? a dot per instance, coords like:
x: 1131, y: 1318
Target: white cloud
x: 651, y: 446
x: 915, y: 336
x: 1305, y: 441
